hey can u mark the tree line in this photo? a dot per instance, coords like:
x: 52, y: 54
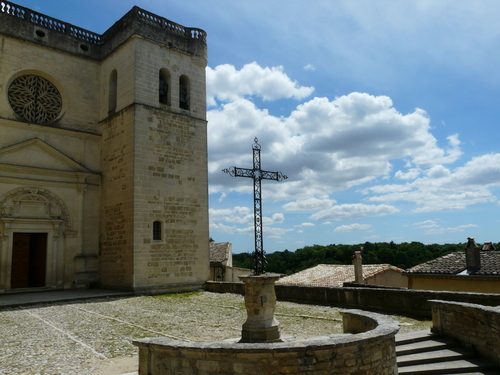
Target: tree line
x: 404, y: 255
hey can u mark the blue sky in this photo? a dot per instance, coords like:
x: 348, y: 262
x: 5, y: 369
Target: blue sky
x: 383, y: 114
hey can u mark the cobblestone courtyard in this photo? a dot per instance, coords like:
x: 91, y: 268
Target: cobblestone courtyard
x: 94, y: 337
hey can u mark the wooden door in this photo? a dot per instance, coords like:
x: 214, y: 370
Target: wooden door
x: 29, y: 260
x: 20, y: 260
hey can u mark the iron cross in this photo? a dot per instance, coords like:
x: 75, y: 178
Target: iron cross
x: 257, y: 174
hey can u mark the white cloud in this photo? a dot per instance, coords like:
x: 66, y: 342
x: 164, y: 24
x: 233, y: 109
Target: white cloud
x: 412, y: 174
x: 353, y: 211
x: 236, y: 215
x: 353, y: 227
x: 230, y: 229
x: 277, y: 218
x: 226, y: 83
x: 274, y: 232
x: 323, y: 146
x: 438, y: 171
x: 310, y: 204
x: 309, y: 67
x: 326, y: 146
x: 442, y: 189
x: 305, y: 225
x: 459, y: 228
x: 427, y: 224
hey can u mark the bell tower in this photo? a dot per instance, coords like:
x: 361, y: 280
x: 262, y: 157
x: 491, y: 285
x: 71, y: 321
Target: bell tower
x: 154, y: 211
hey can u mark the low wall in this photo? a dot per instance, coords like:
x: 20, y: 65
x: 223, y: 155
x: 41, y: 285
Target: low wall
x: 473, y: 325
x: 409, y: 302
x: 370, y: 351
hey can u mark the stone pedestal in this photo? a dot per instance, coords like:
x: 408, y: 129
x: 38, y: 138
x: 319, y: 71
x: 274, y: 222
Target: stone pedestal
x: 260, y: 302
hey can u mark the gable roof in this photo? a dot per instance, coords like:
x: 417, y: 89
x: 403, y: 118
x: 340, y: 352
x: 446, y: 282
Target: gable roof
x: 454, y: 264
x: 220, y: 252
x: 333, y: 274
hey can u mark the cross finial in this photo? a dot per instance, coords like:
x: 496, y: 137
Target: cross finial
x: 257, y: 174
x: 256, y: 145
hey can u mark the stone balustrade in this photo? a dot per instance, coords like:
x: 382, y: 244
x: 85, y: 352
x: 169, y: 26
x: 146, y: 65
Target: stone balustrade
x: 35, y: 27
x: 36, y: 18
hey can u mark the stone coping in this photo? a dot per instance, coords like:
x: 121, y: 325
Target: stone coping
x: 492, y: 309
x: 384, y: 327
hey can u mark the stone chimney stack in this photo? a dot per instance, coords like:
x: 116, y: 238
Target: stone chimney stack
x: 472, y: 256
x: 358, y: 267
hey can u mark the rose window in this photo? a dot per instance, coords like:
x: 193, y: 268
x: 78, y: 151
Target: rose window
x: 35, y: 99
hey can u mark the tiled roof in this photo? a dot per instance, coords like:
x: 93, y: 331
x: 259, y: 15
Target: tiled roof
x: 454, y: 263
x: 333, y: 275
x: 219, y: 252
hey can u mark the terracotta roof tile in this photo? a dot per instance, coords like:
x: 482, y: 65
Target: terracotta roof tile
x: 454, y: 263
x: 219, y: 252
x: 332, y: 274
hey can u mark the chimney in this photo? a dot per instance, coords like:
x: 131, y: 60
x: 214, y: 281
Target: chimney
x: 488, y: 246
x: 358, y: 267
x: 472, y: 257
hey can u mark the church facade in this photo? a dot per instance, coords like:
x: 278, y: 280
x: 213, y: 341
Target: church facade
x: 103, y: 154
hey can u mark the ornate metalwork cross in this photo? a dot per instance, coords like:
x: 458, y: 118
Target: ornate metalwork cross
x: 257, y: 174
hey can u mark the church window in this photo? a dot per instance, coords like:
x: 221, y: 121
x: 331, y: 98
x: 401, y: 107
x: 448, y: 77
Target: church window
x: 164, y: 89
x: 112, y: 92
x: 184, y: 92
x: 157, y: 235
x: 35, y: 99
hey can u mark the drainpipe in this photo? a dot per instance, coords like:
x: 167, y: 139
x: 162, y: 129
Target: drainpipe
x: 472, y: 256
x: 358, y: 267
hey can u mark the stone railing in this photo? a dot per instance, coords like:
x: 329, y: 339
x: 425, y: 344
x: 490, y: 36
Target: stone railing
x: 36, y: 18
x: 473, y: 325
x: 367, y: 347
x: 171, y: 27
x: 136, y: 13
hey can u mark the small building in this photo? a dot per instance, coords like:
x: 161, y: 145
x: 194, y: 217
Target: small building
x: 333, y: 275
x: 474, y: 270
x: 221, y: 263
x: 221, y: 257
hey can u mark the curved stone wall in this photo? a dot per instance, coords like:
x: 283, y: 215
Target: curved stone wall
x: 471, y: 324
x: 366, y: 347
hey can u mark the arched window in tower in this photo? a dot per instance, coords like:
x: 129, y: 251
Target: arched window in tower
x: 112, y: 92
x: 164, y: 89
x: 184, y: 92
x: 157, y: 235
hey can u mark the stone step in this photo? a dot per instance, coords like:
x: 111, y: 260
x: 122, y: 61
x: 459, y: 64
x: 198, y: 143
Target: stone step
x: 442, y: 355
x: 424, y: 346
x: 450, y: 367
x: 427, y: 353
x: 414, y: 336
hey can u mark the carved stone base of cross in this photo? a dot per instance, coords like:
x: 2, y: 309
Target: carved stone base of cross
x: 260, y: 302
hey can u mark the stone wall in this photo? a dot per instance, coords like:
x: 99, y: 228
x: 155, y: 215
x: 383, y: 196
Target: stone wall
x: 370, y: 351
x: 473, y: 325
x: 407, y: 302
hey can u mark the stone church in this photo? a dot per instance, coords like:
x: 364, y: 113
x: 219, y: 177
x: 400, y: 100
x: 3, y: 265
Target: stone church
x: 103, y: 154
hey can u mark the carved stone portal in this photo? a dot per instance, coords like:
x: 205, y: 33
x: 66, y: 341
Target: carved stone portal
x: 33, y: 203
